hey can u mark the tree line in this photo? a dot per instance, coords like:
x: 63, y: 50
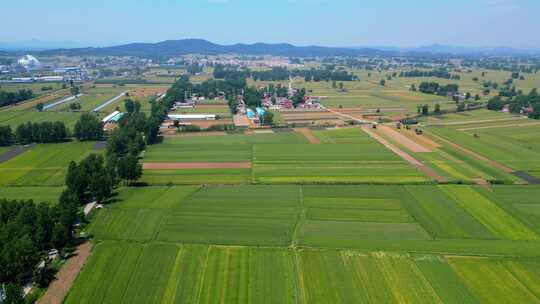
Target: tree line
x: 329, y: 73
x: 36, y: 132
x: 439, y: 73
x: 438, y: 89
x: 10, y: 98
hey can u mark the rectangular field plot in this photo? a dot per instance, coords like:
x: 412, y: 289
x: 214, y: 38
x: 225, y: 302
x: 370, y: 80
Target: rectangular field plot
x: 198, y: 153
x: 348, y: 163
x: 134, y: 273
x: 343, y: 136
x: 153, y: 197
x: 241, y: 215
x: 43, y: 164
x: 49, y: 195
x: 125, y: 224
x: 342, y: 215
x: 197, y: 176
x: 357, y: 204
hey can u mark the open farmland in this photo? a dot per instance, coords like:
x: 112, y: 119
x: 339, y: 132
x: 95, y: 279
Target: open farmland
x: 283, y: 157
x: 509, y: 140
x: 286, y: 243
x: 43, y: 164
x: 310, y: 214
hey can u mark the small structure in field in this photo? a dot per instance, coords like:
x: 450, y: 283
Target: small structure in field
x: 181, y: 117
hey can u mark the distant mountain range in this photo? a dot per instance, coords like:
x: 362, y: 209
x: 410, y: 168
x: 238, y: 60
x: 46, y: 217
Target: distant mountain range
x: 199, y: 46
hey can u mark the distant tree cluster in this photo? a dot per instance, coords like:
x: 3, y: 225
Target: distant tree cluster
x: 518, y: 103
x: 437, y: 89
x: 41, y: 132
x: 9, y: 98
x: 275, y: 74
x: 328, y: 73
x: 439, y: 73
x: 317, y: 75
x: 231, y: 85
x: 88, y: 127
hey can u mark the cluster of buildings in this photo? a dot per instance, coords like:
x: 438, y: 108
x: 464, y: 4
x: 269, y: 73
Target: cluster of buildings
x: 29, y: 64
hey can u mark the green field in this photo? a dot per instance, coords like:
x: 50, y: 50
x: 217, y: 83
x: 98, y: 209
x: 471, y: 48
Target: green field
x: 47, y: 195
x: 346, y: 156
x: 343, y: 221
x: 43, y: 164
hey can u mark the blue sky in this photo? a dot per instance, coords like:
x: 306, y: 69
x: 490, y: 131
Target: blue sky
x: 509, y: 23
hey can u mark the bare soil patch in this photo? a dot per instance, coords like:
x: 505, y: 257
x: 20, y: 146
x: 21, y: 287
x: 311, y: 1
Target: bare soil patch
x: 66, y: 276
x: 308, y: 134
x: 180, y: 166
x: 403, y: 140
x: 425, y: 141
x: 413, y: 161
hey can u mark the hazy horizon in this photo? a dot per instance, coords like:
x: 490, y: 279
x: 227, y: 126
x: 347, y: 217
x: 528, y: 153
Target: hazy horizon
x: 343, y: 23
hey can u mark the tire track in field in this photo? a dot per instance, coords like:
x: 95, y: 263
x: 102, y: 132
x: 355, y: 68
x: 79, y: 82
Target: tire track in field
x: 413, y: 161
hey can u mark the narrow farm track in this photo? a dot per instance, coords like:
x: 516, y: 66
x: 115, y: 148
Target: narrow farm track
x: 179, y: 166
x: 413, y: 161
x: 308, y: 135
x: 66, y: 276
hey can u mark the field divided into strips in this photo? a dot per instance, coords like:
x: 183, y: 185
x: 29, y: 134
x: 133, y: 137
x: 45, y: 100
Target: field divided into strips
x: 492, y: 281
x: 499, y: 222
x: 348, y: 156
x: 211, y: 149
x: 522, y: 202
x: 43, y: 164
x: 138, y: 214
x: 447, y: 161
x: 512, y: 141
x: 120, y: 272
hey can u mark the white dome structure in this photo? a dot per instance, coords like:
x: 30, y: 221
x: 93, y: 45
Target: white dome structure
x: 29, y: 61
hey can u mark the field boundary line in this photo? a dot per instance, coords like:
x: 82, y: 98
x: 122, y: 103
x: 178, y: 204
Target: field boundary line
x: 137, y: 263
x: 203, y: 276
x: 300, y: 279
x: 64, y: 279
x: 413, y: 161
x: 301, y: 218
